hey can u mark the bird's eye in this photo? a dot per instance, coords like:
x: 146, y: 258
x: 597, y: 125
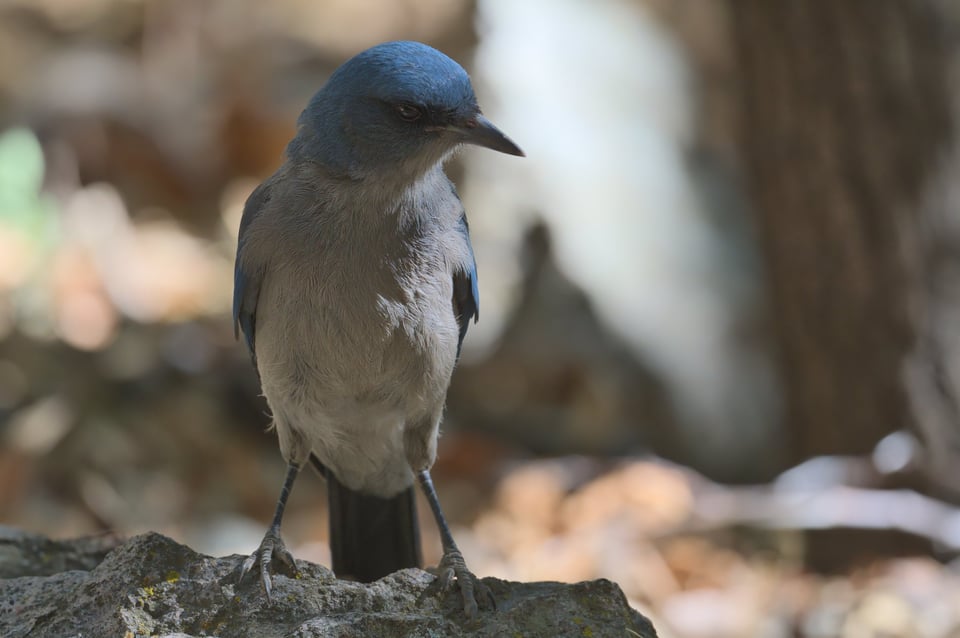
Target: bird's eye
x: 408, y: 112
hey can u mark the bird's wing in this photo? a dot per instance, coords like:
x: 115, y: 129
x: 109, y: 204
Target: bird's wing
x: 466, y: 297
x: 247, y: 276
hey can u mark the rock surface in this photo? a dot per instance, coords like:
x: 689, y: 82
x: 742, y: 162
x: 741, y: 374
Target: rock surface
x: 153, y: 586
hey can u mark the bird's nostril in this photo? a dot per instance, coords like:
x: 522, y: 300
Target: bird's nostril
x: 471, y: 123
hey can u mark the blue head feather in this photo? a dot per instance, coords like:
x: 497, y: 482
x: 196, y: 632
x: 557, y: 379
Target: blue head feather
x: 353, y: 124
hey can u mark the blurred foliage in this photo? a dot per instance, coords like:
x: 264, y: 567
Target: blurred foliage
x: 28, y: 223
x: 23, y: 206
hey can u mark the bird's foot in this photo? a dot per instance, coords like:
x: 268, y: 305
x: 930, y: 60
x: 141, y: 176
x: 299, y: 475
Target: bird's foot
x: 271, y: 546
x: 453, y: 569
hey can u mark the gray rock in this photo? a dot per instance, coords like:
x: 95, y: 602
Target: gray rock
x: 153, y: 586
x: 24, y: 554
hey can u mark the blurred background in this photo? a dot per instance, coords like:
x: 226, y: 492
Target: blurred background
x: 718, y: 359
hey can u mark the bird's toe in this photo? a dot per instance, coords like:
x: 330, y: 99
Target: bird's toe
x: 271, y: 545
x: 474, y: 593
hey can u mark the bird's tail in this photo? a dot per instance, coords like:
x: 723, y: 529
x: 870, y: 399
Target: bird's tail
x: 371, y: 537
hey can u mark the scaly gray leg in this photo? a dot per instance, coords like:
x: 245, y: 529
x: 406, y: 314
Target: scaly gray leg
x: 452, y: 566
x: 272, y: 545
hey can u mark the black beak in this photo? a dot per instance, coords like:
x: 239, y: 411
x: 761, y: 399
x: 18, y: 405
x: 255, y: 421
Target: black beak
x: 480, y: 131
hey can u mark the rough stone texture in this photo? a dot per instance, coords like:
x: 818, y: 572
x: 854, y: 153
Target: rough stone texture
x: 153, y: 586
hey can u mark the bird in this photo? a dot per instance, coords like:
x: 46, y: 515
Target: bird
x: 354, y: 285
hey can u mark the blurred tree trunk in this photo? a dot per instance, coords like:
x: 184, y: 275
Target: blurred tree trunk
x: 844, y: 114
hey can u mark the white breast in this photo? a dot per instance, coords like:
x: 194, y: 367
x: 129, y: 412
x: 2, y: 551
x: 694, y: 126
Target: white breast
x: 351, y: 348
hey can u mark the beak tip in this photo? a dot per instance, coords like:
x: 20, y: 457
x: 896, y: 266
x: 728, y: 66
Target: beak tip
x: 484, y: 133
x: 510, y: 147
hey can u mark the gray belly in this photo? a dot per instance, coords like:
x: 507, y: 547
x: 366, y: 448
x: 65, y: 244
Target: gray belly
x: 349, y: 368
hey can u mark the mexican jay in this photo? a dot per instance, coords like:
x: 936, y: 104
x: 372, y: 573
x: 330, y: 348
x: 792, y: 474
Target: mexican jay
x: 354, y: 285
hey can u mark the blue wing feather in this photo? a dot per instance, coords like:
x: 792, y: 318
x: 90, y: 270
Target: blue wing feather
x: 466, y: 296
x: 245, y: 295
x: 247, y: 279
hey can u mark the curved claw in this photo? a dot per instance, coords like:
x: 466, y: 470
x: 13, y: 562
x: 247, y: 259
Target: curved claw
x: 473, y: 591
x: 271, y: 545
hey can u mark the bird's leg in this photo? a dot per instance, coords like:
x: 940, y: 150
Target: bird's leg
x: 272, y: 545
x: 452, y: 566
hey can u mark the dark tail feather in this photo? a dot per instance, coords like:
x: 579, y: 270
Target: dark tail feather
x: 371, y: 537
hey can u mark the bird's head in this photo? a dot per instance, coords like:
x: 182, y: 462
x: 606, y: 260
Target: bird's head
x: 397, y: 109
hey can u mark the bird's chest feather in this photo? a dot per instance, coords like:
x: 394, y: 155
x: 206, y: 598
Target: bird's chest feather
x: 370, y: 327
